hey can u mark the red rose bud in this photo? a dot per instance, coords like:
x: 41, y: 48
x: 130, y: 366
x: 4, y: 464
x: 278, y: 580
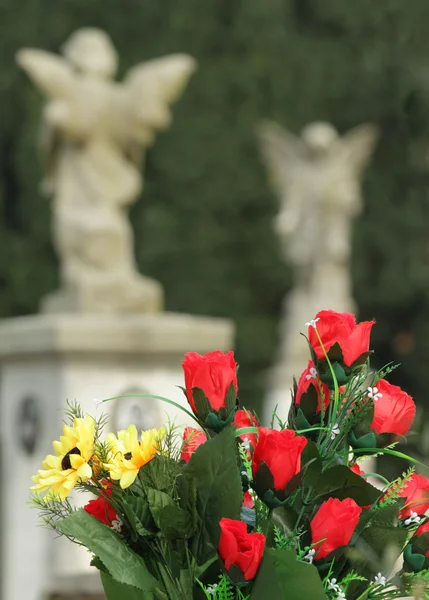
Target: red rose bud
x: 356, y: 469
x: 416, y: 552
x: 101, y: 509
x: 346, y: 344
x: 333, y: 525
x: 248, y: 500
x: 416, y: 492
x: 192, y: 439
x: 239, y: 548
x: 310, y: 394
x: 394, y: 409
x: 310, y: 383
x: 276, y: 460
x: 211, y: 386
x: 390, y: 416
x: 244, y: 418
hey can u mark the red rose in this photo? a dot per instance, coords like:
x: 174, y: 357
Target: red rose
x: 423, y: 529
x: 341, y: 328
x: 244, y: 418
x: 356, y: 469
x: 394, y: 409
x: 416, y: 492
x: 310, y: 379
x: 281, y: 452
x: 192, y: 439
x: 333, y: 525
x: 213, y: 373
x: 239, y: 548
x: 248, y: 500
x: 101, y: 509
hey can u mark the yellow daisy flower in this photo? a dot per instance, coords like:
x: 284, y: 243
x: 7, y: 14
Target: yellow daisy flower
x: 127, y: 454
x: 74, y: 451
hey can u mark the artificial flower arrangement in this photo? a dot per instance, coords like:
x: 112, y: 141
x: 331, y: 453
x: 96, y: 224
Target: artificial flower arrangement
x: 234, y: 510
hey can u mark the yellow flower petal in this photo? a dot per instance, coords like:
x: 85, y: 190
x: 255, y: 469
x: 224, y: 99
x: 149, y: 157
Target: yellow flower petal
x: 128, y: 478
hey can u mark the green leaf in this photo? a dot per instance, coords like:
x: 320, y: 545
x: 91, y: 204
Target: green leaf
x: 160, y: 473
x: 340, y: 482
x: 413, y: 561
x: 136, y: 509
x: 123, y: 564
x: 121, y: 591
x: 282, y: 576
x: 174, y: 522
x: 187, y: 491
x: 230, y: 399
x: 202, y: 403
x: 214, y: 466
x: 376, y: 548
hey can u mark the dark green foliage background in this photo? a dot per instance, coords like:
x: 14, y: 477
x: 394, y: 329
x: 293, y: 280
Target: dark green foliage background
x: 203, y: 226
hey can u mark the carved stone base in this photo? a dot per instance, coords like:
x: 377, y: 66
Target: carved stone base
x: 139, y: 295
x: 46, y: 360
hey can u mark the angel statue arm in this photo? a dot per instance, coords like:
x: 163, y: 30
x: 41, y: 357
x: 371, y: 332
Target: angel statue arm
x: 148, y: 91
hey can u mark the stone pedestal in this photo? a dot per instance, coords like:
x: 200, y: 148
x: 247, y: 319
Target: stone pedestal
x: 46, y: 360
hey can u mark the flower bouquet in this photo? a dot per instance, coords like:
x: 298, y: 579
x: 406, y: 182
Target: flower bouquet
x: 234, y: 510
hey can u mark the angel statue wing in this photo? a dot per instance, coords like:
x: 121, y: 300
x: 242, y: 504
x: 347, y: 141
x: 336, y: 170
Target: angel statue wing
x: 285, y: 156
x: 282, y: 153
x: 151, y: 87
x: 355, y: 147
x: 49, y: 72
x: 57, y: 81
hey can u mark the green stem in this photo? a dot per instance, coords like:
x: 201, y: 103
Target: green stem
x: 370, y: 451
x: 154, y: 397
x: 332, y: 410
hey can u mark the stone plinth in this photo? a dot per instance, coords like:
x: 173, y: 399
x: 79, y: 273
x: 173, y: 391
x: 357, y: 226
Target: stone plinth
x: 48, y: 359
x: 85, y: 587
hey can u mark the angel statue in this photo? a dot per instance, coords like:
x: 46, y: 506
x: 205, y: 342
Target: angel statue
x: 94, y: 135
x: 317, y: 178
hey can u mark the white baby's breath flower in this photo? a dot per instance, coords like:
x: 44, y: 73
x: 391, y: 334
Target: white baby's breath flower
x: 335, y: 431
x: 312, y: 323
x: 246, y: 443
x: 380, y: 579
x: 310, y: 556
x: 333, y: 585
x: 117, y: 525
x: 97, y: 401
x: 374, y: 394
x: 212, y: 589
x: 312, y: 374
x: 413, y: 518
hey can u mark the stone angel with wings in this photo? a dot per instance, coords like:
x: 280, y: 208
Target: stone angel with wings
x: 317, y: 178
x: 94, y: 135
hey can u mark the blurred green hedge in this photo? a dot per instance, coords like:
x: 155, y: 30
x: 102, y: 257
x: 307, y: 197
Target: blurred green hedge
x: 203, y: 225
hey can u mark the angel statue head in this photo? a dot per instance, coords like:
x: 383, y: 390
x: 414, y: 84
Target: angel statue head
x: 317, y: 177
x: 95, y: 133
x: 91, y: 51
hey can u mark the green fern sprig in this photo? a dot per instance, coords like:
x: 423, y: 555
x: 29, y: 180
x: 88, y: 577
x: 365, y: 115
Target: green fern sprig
x: 396, y: 488
x: 223, y: 590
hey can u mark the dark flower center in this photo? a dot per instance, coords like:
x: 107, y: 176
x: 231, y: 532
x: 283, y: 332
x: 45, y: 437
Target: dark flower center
x: 128, y: 456
x: 65, y: 463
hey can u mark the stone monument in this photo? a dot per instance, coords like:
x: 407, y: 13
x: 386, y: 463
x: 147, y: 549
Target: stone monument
x: 317, y: 178
x: 95, y: 133
x: 103, y: 333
